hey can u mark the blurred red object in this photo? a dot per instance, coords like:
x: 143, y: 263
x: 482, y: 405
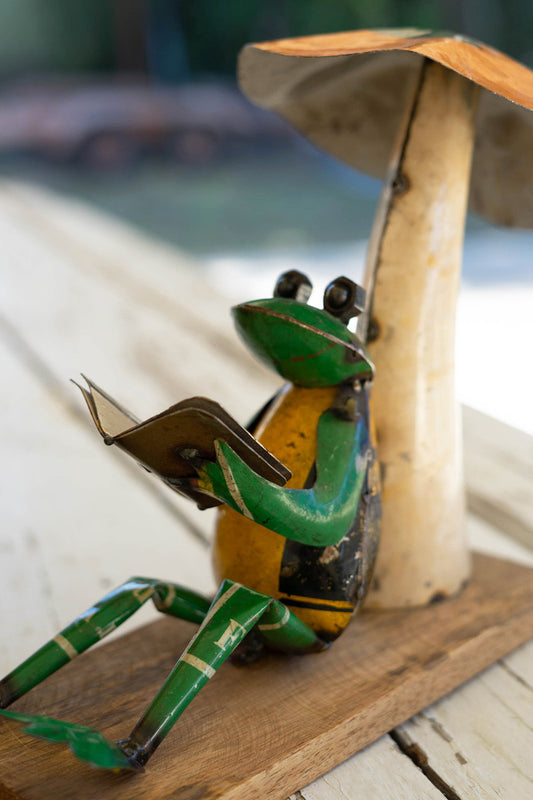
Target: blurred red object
x: 110, y: 125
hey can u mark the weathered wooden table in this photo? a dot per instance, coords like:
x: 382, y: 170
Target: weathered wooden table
x: 80, y: 291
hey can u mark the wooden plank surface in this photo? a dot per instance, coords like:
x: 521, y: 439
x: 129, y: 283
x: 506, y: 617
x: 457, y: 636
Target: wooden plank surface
x: 380, y: 772
x: 415, y: 770
x: 294, y: 717
x: 62, y: 504
x: 82, y: 291
x: 140, y: 319
x: 499, y: 474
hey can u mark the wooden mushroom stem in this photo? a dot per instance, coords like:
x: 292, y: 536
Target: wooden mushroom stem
x: 412, y: 278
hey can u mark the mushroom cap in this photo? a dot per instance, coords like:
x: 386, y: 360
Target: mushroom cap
x: 347, y: 93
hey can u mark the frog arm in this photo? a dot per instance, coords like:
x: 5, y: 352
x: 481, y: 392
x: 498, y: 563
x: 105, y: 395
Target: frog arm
x: 318, y: 516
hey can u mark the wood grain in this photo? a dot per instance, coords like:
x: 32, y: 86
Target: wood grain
x: 380, y: 772
x: 62, y: 547
x: 484, y: 763
x: 499, y: 474
x: 292, y: 719
x: 74, y: 522
x: 490, y: 710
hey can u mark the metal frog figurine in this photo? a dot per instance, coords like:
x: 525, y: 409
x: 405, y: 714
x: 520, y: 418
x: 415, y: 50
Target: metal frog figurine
x: 294, y: 562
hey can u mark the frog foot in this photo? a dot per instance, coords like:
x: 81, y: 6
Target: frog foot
x: 86, y: 743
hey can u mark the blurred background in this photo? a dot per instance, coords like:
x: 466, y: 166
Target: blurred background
x: 132, y: 106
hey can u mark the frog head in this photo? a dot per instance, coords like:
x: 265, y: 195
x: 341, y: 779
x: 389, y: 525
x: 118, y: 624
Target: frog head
x: 307, y: 346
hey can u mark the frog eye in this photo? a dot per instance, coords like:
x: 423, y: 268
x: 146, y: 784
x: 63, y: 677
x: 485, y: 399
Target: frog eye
x: 344, y: 299
x: 294, y: 285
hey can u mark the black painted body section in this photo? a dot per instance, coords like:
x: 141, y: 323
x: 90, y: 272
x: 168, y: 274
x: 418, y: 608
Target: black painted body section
x: 340, y: 572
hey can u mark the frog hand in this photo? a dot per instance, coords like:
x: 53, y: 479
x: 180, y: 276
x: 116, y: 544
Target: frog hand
x: 220, y: 480
x: 199, y: 481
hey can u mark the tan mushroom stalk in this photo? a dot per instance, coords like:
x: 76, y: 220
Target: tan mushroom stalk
x: 404, y: 105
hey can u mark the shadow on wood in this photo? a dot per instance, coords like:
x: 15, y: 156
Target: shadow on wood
x: 268, y: 729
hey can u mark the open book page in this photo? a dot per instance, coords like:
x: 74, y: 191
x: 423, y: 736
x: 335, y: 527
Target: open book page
x: 159, y: 443
x: 109, y: 417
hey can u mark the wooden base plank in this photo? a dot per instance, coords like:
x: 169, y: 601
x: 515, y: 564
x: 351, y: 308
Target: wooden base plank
x: 268, y: 729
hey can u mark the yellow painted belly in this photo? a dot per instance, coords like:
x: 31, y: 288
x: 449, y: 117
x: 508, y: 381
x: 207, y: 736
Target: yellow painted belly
x: 251, y: 554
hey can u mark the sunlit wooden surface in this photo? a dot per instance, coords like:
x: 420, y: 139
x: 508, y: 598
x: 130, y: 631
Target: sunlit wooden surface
x: 81, y: 292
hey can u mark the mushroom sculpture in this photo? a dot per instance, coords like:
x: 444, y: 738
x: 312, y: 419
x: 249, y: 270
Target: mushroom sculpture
x: 443, y: 119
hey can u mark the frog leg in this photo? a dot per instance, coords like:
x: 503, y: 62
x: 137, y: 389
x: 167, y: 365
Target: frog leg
x: 319, y: 516
x: 235, y: 611
x: 232, y: 614
x: 96, y: 623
